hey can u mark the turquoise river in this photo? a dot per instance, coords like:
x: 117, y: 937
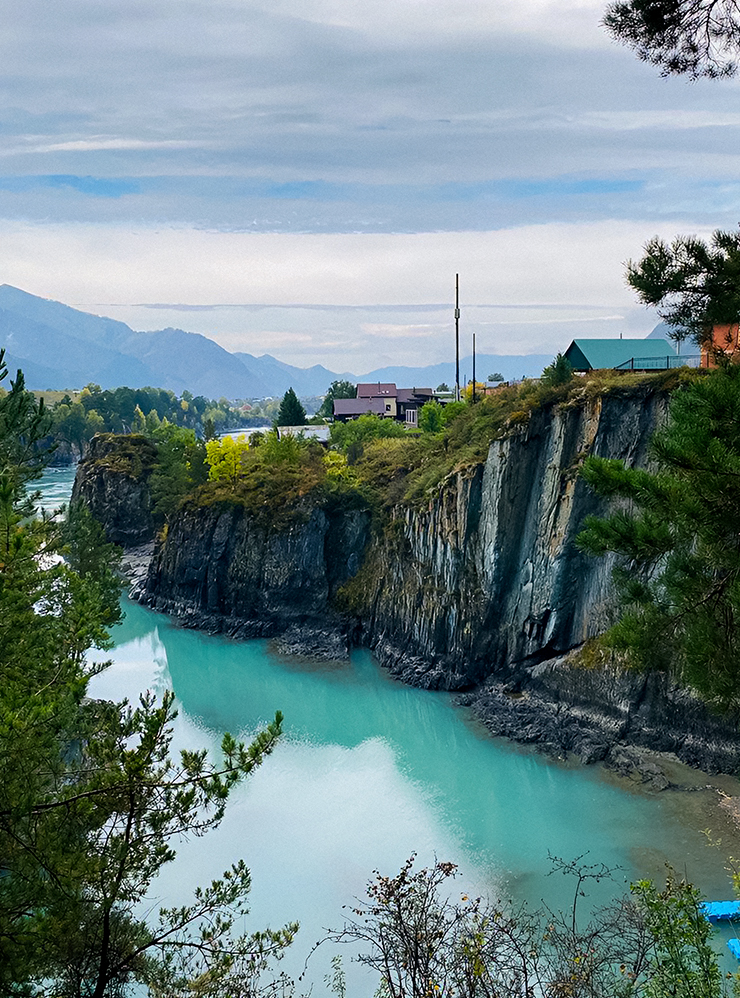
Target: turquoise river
x: 370, y: 771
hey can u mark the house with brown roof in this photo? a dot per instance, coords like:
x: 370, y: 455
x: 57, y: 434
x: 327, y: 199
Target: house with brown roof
x: 385, y: 400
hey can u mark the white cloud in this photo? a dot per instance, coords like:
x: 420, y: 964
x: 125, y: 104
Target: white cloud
x: 570, y: 21
x: 569, y: 276
x: 99, y: 145
x: 555, y: 263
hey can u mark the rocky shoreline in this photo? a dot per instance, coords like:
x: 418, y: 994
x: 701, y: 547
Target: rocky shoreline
x: 631, y: 724
x: 634, y: 723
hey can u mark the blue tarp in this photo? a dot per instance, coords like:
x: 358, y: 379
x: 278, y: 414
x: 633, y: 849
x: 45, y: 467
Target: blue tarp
x: 717, y: 911
x: 733, y: 946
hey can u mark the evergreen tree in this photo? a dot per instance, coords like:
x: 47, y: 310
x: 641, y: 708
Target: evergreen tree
x: 694, y: 37
x: 693, y: 285
x: 91, y: 801
x: 291, y: 412
x: 337, y: 390
x: 677, y: 531
x: 560, y: 372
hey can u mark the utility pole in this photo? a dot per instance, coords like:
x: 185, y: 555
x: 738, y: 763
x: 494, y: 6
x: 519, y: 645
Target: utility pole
x: 457, y: 337
x: 473, y: 367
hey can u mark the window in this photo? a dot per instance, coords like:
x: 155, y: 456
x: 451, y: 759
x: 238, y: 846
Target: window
x: 411, y: 416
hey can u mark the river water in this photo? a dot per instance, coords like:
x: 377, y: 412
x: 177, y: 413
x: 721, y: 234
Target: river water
x: 370, y: 771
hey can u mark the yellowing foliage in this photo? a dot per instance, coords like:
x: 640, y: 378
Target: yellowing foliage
x: 226, y: 458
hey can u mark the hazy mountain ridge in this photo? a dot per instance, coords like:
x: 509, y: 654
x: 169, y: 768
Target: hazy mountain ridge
x: 58, y: 346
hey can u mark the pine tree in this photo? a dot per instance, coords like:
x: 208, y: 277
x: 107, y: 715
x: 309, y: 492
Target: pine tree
x: 695, y: 37
x: 291, y: 412
x: 693, y: 285
x: 677, y: 531
x: 91, y: 800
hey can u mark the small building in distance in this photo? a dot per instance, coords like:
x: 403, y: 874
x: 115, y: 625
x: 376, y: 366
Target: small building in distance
x: 385, y: 400
x: 635, y: 355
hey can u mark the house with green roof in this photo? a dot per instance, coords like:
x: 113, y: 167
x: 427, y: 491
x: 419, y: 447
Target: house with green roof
x: 636, y: 355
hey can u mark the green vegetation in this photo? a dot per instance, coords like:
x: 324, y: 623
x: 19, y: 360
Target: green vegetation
x: 226, y: 459
x: 91, y: 801
x: 431, y: 417
x: 278, y: 479
x: 412, y: 468
x: 180, y: 467
x: 337, y: 390
x: 560, y: 372
x: 291, y: 412
x: 693, y: 285
x: 74, y: 421
x: 677, y: 531
x: 423, y: 941
x: 353, y: 436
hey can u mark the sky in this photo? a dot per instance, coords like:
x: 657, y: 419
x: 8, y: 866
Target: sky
x: 306, y: 177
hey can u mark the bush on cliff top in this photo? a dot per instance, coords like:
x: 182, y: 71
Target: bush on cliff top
x: 133, y: 454
x: 275, y: 479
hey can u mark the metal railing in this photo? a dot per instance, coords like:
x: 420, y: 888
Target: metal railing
x: 660, y: 363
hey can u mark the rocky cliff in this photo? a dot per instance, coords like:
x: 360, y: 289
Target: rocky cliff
x: 487, y: 577
x: 480, y: 588
x: 223, y: 569
x: 113, y: 481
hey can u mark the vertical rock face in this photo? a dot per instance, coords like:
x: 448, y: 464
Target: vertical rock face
x: 112, y: 480
x: 223, y: 569
x: 487, y: 576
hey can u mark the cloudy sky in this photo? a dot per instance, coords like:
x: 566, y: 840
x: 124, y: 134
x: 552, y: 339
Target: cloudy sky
x: 305, y: 177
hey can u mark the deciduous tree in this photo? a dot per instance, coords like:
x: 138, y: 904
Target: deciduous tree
x: 340, y: 389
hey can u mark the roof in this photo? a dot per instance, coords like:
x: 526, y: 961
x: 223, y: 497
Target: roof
x: 375, y: 388
x: 586, y: 355
x: 412, y: 394
x: 359, y: 406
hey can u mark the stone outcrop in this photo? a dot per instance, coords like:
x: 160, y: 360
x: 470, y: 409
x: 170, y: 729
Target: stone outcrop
x: 222, y: 569
x: 601, y: 714
x: 113, y: 481
x: 487, y: 577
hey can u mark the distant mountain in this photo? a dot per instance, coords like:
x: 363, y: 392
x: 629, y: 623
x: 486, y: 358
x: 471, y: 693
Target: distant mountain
x: 61, y: 347
x: 305, y: 381
x: 661, y: 332
x: 510, y: 366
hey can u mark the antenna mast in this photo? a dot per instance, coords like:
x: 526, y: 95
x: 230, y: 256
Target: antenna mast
x: 457, y: 337
x: 473, y: 367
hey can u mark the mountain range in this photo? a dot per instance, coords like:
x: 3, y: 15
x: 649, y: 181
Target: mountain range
x: 58, y: 346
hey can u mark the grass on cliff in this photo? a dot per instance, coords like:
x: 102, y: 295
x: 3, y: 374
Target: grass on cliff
x: 132, y: 454
x: 411, y: 469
